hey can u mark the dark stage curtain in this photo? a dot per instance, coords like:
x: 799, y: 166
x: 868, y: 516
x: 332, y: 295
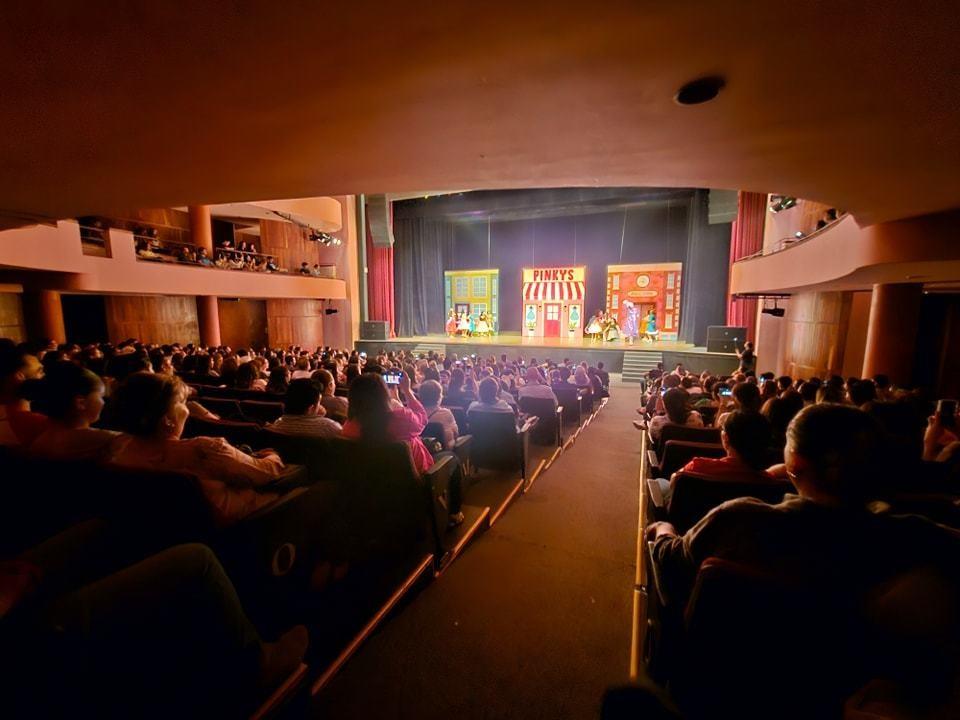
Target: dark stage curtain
x: 746, y: 238
x: 418, y: 263
x: 705, y: 272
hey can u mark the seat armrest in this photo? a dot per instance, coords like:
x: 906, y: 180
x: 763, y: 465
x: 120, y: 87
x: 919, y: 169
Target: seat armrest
x: 653, y: 462
x: 655, y: 578
x: 531, y: 421
x: 441, y: 467
x: 559, y: 421
x: 292, y: 477
x: 656, y: 495
x: 463, y: 441
x: 284, y: 500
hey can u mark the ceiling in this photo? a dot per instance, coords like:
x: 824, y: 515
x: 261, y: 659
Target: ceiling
x: 147, y: 104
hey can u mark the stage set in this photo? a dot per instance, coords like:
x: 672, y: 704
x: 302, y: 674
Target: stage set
x: 629, y: 276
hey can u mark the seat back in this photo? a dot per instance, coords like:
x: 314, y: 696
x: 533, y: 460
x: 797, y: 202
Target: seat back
x: 545, y: 431
x: 495, y: 441
x: 236, y: 433
x: 693, y: 496
x: 569, y: 397
x: 226, y: 408
x: 261, y: 411
x: 313, y: 452
x: 677, y: 453
x: 689, y: 434
x: 753, y: 638
x: 433, y: 430
x: 460, y: 415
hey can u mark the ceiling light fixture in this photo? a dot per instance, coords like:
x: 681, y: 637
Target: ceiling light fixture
x: 700, y: 90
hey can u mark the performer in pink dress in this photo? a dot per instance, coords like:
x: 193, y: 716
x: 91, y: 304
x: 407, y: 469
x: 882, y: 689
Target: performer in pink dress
x: 631, y: 323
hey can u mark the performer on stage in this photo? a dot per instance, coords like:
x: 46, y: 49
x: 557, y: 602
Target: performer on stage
x: 483, y: 326
x: 611, y: 328
x: 631, y: 325
x: 473, y: 324
x: 594, y: 326
x: 451, y: 325
x: 463, y: 325
x: 650, y: 331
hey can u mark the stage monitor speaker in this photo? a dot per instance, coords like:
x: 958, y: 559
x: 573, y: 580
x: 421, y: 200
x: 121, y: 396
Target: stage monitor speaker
x: 378, y: 220
x: 375, y: 330
x: 725, y: 338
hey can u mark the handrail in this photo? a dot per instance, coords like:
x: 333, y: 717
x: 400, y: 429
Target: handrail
x: 785, y: 243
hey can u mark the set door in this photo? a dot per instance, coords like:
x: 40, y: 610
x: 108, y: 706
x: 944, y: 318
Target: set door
x: 551, y: 320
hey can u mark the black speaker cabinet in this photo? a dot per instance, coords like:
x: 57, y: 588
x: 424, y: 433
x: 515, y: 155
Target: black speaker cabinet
x: 375, y: 330
x: 725, y: 338
x: 378, y: 218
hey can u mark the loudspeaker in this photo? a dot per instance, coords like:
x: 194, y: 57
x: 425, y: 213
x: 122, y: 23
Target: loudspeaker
x: 722, y: 207
x: 375, y: 330
x: 725, y: 338
x: 378, y: 220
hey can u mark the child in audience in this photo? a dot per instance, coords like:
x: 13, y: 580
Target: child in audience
x: 676, y: 402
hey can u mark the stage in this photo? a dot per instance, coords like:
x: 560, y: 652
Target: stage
x: 618, y: 357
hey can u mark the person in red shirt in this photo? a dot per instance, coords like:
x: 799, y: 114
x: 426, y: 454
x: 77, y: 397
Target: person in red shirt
x: 746, y: 440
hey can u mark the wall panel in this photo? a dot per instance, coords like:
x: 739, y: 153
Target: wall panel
x: 295, y: 322
x: 243, y: 322
x: 815, y: 330
x: 152, y: 319
x: 11, y: 317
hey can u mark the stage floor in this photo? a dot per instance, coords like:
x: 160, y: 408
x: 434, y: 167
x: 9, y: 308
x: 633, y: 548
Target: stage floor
x: 516, y: 340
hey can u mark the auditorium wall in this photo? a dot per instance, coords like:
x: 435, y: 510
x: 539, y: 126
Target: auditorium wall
x: 152, y: 318
x: 295, y: 322
x: 11, y: 317
x: 814, y: 334
x: 243, y: 322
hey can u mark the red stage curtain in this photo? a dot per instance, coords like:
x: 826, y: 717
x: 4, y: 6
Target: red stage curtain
x: 746, y: 238
x: 380, y: 281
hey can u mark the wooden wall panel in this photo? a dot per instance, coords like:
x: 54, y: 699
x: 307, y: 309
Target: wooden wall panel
x: 295, y: 322
x: 289, y: 244
x: 173, y: 225
x: 153, y: 319
x: 11, y: 317
x: 243, y: 322
x: 815, y: 331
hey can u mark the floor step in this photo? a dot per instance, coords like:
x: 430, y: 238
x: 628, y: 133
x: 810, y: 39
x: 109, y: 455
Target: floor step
x: 637, y: 364
x: 427, y: 348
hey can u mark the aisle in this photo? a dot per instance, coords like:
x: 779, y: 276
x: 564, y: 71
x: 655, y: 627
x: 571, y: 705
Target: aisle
x: 533, y: 621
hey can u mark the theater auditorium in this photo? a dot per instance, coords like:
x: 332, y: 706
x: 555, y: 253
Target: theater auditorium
x: 480, y: 361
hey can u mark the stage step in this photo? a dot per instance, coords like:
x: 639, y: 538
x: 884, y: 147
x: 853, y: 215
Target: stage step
x: 427, y: 348
x: 636, y: 364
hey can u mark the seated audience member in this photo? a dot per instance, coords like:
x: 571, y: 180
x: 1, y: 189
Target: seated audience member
x: 248, y: 378
x: 315, y: 271
x: 272, y: 264
x: 825, y: 533
x: 746, y: 397
x: 152, y: 411
x: 456, y: 393
x: 304, y: 268
x: 372, y: 418
x: 656, y: 372
x: 203, y: 258
x: 676, y: 402
x: 882, y: 384
x: 302, y: 368
x: 72, y: 399
x: 336, y: 406
x: 535, y: 387
x: 170, y: 621
x: 780, y: 411
x: 746, y: 441
x: 604, y: 375
x: 431, y: 395
x: 278, y: 381
x: 861, y: 392
x: 490, y: 400
x: 18, y: 367
x: 303, y: 414
x: 831, y: 393
x: 940, y: 433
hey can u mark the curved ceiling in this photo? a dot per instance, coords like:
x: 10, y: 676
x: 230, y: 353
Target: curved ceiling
x: 147, y: 104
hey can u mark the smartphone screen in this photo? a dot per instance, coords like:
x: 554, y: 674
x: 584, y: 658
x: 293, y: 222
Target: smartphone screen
x: 726, y: 392
x: 391, y: 378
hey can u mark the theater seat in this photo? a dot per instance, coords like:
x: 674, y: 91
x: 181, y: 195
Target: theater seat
x: 677, y: 453
x: 498, y: 444
x: 550, y: 418
x: 260, y: 411
x: 236, y: 433
x: 693, y: 496
x: 688, y: 434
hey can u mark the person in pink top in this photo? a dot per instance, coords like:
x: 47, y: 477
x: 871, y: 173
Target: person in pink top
x: 372, y: 418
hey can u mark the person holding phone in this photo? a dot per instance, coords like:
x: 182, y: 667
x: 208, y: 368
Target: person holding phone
x: 941, y: 430
x: 747, y: 358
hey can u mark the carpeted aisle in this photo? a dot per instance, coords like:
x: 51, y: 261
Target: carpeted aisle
x: 534, y: 619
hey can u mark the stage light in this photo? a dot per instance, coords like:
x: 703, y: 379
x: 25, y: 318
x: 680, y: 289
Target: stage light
x: 330, y: 311
x: 775, y: 311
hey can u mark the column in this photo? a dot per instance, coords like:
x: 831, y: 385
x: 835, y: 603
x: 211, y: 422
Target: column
x: 201, y: 228
x: 892, y: 331
x: 208, y: 320
x: 44, y: 315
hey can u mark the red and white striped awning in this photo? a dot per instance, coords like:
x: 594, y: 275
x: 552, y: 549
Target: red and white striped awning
x: 554, y: 290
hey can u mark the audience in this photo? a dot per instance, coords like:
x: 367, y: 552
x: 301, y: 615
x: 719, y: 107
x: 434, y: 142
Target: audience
x: 676, y: 402
x: 431, y: 395
x: 303, y: 414
x: 490, y: 400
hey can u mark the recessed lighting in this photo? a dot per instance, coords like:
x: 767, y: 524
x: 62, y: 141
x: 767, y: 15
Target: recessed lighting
x: 700, y: 90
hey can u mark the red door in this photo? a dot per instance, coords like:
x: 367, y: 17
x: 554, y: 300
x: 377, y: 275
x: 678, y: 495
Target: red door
x: 551, y: 320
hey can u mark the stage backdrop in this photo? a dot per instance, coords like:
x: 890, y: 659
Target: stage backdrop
x: 570, y: 227
x: 473, y: 292
x: 655, y: 287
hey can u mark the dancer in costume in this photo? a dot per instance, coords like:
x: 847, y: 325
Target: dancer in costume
x: 631, y: 324
x: 473, y: 324
x: 594, y: 326
x: 650, y: 330
x: 483, y: 326
x: 451, y: 325
x: 611, y: 328
x: 463, y: 325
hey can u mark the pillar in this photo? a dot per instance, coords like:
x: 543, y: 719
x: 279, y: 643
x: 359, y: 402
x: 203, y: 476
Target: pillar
x: 201, y: 228
x: 208, y: 320
x: 44, y: 315
x: 892, y: 331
